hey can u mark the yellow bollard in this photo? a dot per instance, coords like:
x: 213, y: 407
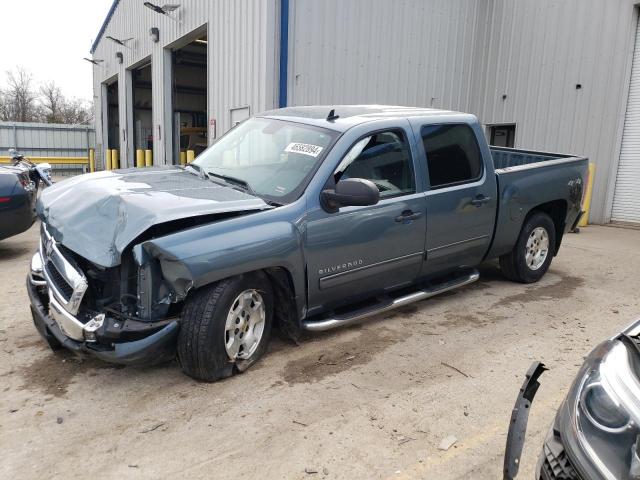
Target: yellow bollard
x: 107, y: 159
x: 139, y: 158
x: 92, y: 160
x: 183, y: 158
x: 191, y: 155
x: 148, y: 158
x: 586, y: 206
x: 115, y: 159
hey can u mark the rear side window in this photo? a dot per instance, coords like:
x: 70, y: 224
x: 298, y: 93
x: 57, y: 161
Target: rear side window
x: 385, y: 159
x: 453, y: 155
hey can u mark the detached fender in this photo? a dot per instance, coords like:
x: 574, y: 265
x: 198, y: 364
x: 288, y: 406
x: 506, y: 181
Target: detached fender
x: 202, y: 255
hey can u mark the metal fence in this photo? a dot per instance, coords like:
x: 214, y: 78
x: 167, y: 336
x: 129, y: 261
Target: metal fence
x: 67, y: 148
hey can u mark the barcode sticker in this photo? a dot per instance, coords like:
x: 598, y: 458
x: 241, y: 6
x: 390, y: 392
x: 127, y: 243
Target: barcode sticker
x: 304, y: 149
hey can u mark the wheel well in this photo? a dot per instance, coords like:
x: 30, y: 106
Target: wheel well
x: 285, y: 309
x: 557, y: 210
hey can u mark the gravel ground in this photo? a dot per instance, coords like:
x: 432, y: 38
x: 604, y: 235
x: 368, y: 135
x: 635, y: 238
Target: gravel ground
x: 369, y: 402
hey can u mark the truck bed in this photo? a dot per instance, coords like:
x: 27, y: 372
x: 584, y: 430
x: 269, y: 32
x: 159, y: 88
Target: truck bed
x: 527, y: 179
x: 506, y: 158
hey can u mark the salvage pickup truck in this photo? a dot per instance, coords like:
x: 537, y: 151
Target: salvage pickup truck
x: 310, y: 218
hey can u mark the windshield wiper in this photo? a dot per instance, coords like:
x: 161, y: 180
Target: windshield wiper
x: 236, y: 181
x: 196, y: 169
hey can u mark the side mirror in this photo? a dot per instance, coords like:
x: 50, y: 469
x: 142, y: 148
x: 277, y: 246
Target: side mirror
x: 350, y: 192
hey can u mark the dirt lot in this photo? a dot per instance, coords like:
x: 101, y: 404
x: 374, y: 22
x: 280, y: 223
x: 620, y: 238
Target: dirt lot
x: 373, y: 401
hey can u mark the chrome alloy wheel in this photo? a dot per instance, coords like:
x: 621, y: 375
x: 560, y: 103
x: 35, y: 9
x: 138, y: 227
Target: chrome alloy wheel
x: 537, y: 248
x: 245, y: 325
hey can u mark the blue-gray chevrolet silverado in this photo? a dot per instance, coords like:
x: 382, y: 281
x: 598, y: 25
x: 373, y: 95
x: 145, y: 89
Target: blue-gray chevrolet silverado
x: 310, y: 218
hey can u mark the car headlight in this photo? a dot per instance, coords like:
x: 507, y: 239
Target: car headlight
x: 603, y: 407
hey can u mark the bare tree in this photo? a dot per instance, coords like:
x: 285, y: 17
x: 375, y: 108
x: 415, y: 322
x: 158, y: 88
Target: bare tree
x: 4, y: 107
x: 76, y: 111
x: 19, y: 98
x: 53, y: 102
x: 21, y: 102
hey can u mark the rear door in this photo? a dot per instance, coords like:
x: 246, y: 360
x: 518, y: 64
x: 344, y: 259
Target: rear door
x: 358, y: 251
x: 461, y: 203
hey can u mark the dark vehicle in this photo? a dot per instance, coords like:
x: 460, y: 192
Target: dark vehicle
x: 311, y: 218
x: 596, y: 432
x: 19, y: 186
x: 18, y: 195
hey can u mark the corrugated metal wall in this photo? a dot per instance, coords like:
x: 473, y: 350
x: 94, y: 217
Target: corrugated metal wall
x: 242, y: 60
x: 405, y: 52
x: 467, y: 54
x: 46, y: 139
x: 538, y: 52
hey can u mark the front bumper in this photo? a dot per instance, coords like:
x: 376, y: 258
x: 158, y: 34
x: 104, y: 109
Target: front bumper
x: 157, y: 347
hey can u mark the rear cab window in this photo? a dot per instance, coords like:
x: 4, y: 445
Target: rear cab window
x: 385, y: 159
x: 452, y: 153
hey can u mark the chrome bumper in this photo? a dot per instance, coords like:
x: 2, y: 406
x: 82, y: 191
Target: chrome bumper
x: 61, y: 275
x: 65, y: 285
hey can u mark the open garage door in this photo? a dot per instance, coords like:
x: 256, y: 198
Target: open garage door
x: 113, y: 120
x: 189, y: 94
x: 626, y: 197
x: 142, y: 113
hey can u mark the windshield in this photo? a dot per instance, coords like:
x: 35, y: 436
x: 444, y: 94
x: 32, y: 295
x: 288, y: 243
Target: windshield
x: 270, y: 158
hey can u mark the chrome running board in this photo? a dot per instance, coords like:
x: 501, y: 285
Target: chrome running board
x: 358, y: 315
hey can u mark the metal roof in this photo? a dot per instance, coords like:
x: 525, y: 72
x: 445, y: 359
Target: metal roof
x: 112, y: 10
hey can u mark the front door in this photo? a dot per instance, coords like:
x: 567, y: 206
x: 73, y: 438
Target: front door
x: 358, y: 251
x: 461, y: 200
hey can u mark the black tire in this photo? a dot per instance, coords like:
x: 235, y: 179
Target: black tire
x: 201, y: 340
x: 514, y: 265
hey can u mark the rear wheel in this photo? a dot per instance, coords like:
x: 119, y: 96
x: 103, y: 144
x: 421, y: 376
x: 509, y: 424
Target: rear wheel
x: 531, y: 256
x: 226, y: 327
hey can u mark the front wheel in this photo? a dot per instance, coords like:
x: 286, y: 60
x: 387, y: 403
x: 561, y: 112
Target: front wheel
x: 226, y: 327
x: 531, y: 256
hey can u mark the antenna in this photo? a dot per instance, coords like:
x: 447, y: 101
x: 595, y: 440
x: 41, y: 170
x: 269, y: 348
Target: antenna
x: 332, y: 115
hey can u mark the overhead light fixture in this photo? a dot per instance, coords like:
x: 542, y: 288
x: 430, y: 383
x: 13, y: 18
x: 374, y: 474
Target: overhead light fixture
x: 201, y: 41
x: 164, y: 9
x: 155, y: 34
x: 95, y: 61
x: 118, y: 41
x: 120, y: 57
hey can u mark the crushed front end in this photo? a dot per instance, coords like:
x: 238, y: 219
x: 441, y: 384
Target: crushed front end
x: 98, y: 311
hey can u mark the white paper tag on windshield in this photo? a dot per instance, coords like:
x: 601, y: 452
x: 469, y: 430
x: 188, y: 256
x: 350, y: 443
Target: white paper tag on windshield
x: 304, y: 149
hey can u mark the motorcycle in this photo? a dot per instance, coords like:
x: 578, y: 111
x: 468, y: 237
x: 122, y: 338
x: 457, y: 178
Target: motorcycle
x: 39, y: 173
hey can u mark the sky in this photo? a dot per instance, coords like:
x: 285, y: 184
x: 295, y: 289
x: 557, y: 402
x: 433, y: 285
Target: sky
x: 49, y: 38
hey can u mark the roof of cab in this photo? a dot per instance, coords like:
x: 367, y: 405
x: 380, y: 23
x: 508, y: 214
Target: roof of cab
x: 351, y: 115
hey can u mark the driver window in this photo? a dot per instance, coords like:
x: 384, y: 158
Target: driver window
x: 385, y: 159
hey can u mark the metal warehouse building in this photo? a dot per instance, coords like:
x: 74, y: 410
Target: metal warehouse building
x: 554, y: 75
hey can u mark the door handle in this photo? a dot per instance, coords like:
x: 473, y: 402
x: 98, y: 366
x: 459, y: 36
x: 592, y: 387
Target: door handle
x: 407, y: 216
x: 480, y: 200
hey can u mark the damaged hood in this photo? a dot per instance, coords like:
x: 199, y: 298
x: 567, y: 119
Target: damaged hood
x: 98, y: 215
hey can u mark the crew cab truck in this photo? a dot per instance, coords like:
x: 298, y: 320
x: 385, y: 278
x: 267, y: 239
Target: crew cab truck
x: 310, y: 218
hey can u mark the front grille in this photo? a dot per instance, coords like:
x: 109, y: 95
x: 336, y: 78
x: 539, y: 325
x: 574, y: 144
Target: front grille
x: 59, y: 281
x: 64, y: 276
x: 556, y: 465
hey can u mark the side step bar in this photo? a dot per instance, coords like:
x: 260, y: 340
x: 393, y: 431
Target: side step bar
x: 358, y: 315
